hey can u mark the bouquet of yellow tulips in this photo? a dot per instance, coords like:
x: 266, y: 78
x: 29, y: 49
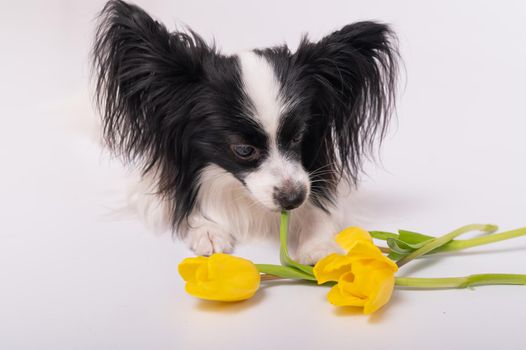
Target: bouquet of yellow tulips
x: 363, y: 277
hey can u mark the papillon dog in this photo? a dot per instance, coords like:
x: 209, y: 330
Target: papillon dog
x: 226, y: 142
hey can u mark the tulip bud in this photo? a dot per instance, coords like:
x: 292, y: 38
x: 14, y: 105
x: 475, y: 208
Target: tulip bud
x: 220, y: 277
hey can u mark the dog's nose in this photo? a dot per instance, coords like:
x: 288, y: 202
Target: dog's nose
x: 290, y: 197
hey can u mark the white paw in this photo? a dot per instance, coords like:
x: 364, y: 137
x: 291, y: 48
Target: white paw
x: 209, y: 239
x: 309, y: 253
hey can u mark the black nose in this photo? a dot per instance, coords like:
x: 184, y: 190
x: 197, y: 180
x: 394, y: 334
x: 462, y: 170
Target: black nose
x: 289, y: 198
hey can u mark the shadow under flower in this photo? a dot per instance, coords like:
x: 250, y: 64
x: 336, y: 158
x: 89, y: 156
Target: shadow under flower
x: 240, y: 306
x: 230, y: 307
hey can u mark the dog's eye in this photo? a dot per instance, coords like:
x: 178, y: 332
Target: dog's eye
x: 245, y: 152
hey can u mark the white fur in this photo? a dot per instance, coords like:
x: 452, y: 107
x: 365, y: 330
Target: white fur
x: 275, y: 172
x: 262, y: 87
x: 226, y: 212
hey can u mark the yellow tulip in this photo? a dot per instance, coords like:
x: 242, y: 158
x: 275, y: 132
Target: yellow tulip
x: 367, y: 285
x: 220, y: 277
x: 331, y: 267
x: 365, y: 276
x: 349, y: 236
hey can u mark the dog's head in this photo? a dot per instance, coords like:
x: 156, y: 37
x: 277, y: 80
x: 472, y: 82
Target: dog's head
x: 288, y: 125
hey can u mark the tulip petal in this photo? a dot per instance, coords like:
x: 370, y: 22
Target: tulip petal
x: 349, y: 236
x: 340, y: 298
x: 188, y: 267
x: 364, y: 250
x: 384, y: 289
x: 242, y: 276
x: 369, y: 285
x: 349, y: 286
x: 331, y: 268
x: 376, y: 280
x: 367, y: 250
x: 209, y: 290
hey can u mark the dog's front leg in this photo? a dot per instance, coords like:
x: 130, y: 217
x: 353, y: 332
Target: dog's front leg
x: 313, y: 234
x: 205, y: 237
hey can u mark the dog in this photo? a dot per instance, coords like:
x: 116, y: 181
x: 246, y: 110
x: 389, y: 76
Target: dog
x: 225, y: 143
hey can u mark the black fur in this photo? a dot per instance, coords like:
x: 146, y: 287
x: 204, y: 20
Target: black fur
x: 346, y: 83
x: 158, y: 92
x: 174, y: 104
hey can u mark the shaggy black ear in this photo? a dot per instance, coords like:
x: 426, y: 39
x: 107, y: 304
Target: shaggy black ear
x: 146, y: 80
x: 354, y: 71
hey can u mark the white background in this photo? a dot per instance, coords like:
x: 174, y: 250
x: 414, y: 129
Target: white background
x: 76, y: 275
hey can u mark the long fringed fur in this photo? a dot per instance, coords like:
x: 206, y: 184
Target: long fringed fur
x: 354, y: 75
x: 148, y: 81
x: 168, y: 99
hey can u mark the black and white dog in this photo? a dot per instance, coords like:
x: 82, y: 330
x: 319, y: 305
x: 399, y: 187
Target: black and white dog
x: 227, y: 142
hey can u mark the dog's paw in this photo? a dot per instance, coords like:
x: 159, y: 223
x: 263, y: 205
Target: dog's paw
x: 209, y: 239
x: 310, y: 253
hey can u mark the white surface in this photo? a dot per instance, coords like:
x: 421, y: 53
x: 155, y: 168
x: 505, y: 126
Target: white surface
x: 73, y: 275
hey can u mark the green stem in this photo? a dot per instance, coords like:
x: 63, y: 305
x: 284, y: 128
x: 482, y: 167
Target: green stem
x: 283, y: 250
x: 283, y: 238
x: 477, y: 241
x: 440, y: 241
x: 461, y: 282
x: 284, y: 272
x: 459, y: 244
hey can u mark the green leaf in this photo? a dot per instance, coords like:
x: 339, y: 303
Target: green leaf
x: 398, y: 246
x: 413, y: 237
x: 395, y: 256
x: 382, y: 235
x: 402, y: 247
x: 442, y: 240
